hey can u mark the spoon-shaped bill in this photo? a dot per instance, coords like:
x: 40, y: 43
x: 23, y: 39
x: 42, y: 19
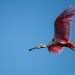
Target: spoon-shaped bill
x: 32, y: 48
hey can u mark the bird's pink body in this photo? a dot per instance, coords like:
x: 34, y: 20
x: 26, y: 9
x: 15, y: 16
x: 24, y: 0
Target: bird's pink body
x: 62, y: 32
x: 62, y: 27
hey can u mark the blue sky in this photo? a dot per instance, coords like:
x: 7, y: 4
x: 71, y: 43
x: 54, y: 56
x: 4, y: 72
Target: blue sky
x: 25, y: 24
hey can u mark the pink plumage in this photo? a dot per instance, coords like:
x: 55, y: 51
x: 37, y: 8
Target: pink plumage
x: 63, y: 25
x: 62, y: 30
x: 55, y: 49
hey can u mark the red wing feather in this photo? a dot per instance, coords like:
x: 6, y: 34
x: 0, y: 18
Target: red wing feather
x: 62, y: 25
x: 55, y: 49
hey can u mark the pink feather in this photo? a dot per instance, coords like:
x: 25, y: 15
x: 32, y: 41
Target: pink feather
x: 62, y: 30
x: 55, y: 49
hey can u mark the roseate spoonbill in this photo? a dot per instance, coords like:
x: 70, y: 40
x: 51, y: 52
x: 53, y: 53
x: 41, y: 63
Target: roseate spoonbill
x: 62, y: 31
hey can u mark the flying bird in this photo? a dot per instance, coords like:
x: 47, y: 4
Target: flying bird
x: 62, y: 32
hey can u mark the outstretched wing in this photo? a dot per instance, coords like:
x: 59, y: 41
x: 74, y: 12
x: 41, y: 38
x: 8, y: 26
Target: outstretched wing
x: 62, y: 25
x: 55, y: 49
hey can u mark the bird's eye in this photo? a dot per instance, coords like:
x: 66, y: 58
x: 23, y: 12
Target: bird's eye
x: 40, y: 45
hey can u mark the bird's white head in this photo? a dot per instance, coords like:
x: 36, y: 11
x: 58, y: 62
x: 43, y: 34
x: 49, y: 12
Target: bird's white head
x: 41, y: 46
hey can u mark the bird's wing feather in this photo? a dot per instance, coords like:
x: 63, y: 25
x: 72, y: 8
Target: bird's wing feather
x: 62, y: 25
x: 55, y: 49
